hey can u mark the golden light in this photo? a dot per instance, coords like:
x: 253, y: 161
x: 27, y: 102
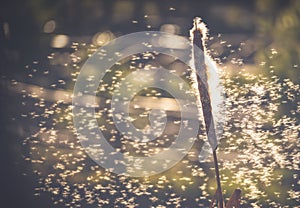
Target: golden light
x: 102, y: 38
x: 60, y: 41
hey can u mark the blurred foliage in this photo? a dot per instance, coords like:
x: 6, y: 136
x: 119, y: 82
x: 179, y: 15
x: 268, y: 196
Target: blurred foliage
x: 278, y: 32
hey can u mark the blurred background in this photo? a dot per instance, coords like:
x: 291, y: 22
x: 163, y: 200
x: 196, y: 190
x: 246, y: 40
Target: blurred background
x: 41, y: 42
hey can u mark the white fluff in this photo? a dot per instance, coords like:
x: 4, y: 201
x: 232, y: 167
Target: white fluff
x: 214, y: 86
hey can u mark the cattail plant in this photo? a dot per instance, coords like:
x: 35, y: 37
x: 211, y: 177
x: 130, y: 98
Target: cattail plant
x: 198, y: 36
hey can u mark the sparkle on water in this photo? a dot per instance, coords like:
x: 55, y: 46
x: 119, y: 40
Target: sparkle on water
x: 259, y: 151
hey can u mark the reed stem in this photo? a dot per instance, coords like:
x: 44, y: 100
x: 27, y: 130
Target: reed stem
x: 200, y: 67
